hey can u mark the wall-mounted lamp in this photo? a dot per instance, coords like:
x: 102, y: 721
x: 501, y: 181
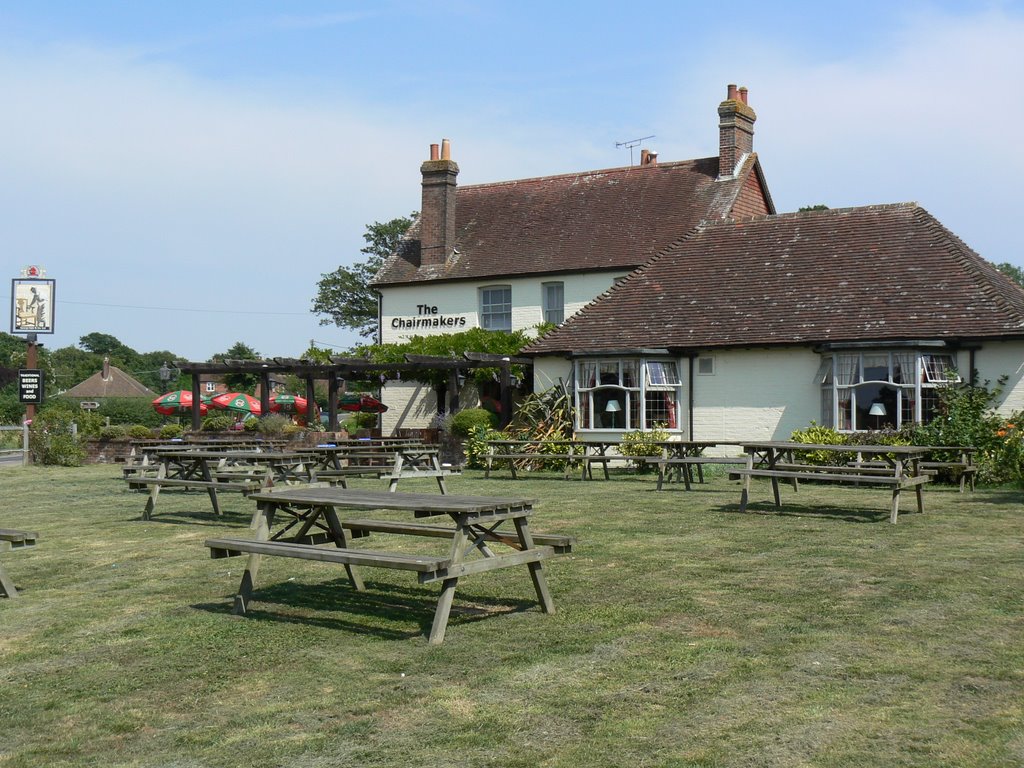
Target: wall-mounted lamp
x: 460, y: 379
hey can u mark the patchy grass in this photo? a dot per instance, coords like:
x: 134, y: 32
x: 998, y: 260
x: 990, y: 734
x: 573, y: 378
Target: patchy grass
x: 686, y: 635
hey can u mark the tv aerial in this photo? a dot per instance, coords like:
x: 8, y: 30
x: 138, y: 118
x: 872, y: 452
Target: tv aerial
x: 631, y: 144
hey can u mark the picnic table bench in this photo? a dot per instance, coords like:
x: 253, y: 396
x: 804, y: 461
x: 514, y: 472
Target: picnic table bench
x: 524, y: 454
x: 393, y: 463
x: 11, y: 539
x: 216, y: 471
x: 963, y: 465
x: 312, y: 519
x: 895, y: 466
x: 679, y: 458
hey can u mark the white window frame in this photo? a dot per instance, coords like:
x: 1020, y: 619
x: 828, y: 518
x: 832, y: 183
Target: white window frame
x: 631, y: 386
x: 491, y: 313
x: 848, y: 388
x: 211, y: 386
x: 552, y: 312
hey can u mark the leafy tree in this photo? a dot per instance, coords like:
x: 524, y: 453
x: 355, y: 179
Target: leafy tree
x: 239, y: 382
x: 104, y: 344
x: 818, y: 207
x: 344, y: 296
x: 1012, y: 271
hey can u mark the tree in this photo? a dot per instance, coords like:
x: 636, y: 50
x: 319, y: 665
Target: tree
x: 818, y: 207
x: 239, y: 382
x: 1012, y: 271
x: 344, y: 296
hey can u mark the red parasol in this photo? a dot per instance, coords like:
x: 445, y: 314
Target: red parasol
x: 175, y: 402
x: 237, y: 401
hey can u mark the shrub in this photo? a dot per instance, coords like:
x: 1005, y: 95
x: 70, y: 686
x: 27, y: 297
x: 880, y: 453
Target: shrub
x: 818, y: 435
x: 217, y: 423
x: 271, y: 424
x: 475, y: 445
x: 171, y: 431
x: 253, y: 425
x: 140, y: 431
x: 51, y: 440
x: 466, y: 423
x: 113, y: 432
x: 640, y: 444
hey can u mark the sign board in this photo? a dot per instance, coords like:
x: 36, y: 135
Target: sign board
x: 30, y: 386
x: 88, y: 405
x: 32, y: 305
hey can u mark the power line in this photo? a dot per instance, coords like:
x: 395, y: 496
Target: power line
x: 183, y: 309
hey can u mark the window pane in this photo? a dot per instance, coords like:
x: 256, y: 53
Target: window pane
x: 847, y: 370
x: 661, y: 410
x: 824, y: 374
x: 588, y: 374
x: 496, y: 308
x: 631, y: 373
x: 903, y: 367
x: 584, y: 413
x: 660, y: 374
x: 828, y: 416
x: 939, y: 369
x: 876, y: 367
x: 553, y: 302
x: 609, y: 373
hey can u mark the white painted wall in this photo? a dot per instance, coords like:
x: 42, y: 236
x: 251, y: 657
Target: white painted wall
x: 997, y: 359
x: 411, y: 405
x: 548, y: 371
x: 459, y: 301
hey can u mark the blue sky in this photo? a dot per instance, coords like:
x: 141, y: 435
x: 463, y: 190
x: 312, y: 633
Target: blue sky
x: 187, y: 171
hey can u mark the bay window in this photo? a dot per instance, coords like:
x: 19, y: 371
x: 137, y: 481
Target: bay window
x: 628, y: 394
x: 881, y: 389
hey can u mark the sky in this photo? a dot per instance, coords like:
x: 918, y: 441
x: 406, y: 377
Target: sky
x: 188, y: 171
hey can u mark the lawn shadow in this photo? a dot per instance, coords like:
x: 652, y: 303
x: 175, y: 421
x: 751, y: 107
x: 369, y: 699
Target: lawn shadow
x: 380, y: 604
x: 206, y: 517
x: 823, y: 511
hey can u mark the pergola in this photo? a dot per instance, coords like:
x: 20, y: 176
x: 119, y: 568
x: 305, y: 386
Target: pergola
x: 341, y: 368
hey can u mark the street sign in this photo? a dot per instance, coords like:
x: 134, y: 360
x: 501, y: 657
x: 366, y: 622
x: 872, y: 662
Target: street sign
x: 30, y: 386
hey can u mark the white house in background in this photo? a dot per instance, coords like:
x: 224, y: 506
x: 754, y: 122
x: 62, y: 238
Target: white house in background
x: 509, y: 255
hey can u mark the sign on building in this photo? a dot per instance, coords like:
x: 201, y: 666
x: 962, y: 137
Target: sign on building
x: 32, y: 302
x: 30, y: 386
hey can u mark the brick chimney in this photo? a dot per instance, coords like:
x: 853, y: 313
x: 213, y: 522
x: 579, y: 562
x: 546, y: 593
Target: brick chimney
x: 437, y: 213
x: 735, y: 131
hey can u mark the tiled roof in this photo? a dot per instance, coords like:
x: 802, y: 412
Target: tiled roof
x: 610, y: 219
x: 879, y: 273
x: 118, y: 384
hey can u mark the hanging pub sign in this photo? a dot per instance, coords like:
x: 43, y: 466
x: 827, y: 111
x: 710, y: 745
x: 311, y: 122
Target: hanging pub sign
x: 30, y: 386
x: 32, y: 302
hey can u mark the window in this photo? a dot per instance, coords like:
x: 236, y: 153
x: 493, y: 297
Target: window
x: 211, y: 386
x: 553, y: 302
x: 705, y: 366
x: 496, y: 308
x: 627, y: 394
x: 876, y: 389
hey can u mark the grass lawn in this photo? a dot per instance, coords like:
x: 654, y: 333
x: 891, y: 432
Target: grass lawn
x: 687, y: 634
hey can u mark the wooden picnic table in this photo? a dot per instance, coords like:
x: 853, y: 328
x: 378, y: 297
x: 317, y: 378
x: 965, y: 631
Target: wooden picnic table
x: 480, y: 538
x: 396, y: 462
x: 570, y: 453
x: 217, y: 471
x: 11, y: 539
x: 679, y: 457
x: 895, y: 466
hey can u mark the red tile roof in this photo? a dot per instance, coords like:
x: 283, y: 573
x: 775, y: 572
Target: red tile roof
x: 599, y: 220
x: 878, y: 273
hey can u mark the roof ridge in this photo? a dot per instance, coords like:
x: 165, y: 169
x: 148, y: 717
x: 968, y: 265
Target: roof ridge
x: 595, y: 172
x: 908, y: 205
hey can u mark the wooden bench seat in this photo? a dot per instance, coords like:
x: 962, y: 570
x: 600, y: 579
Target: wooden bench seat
x: 407, y: 562
x: 361, y: 528
x: 666, y: 464
x: 836, y: 477
x: 17, y: 539
x: 13, y: 539
x: 179, y: 482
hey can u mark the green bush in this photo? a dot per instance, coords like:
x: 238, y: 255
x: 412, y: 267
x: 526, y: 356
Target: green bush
x: 475, y: 445
x: 51, y: 440
x: 217, y: 423
x: 140, y: 432
x: 640, y: 444
x: 467, y: 422
x: 271, y: 425
x: 816, y: 434
x: 171, y: 431
x: 253, y: 425
x: 11, y: 410
x: 113, y: 432
x: 120, y: 410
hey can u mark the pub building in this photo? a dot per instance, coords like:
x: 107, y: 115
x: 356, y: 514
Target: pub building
x: 684, y: 301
